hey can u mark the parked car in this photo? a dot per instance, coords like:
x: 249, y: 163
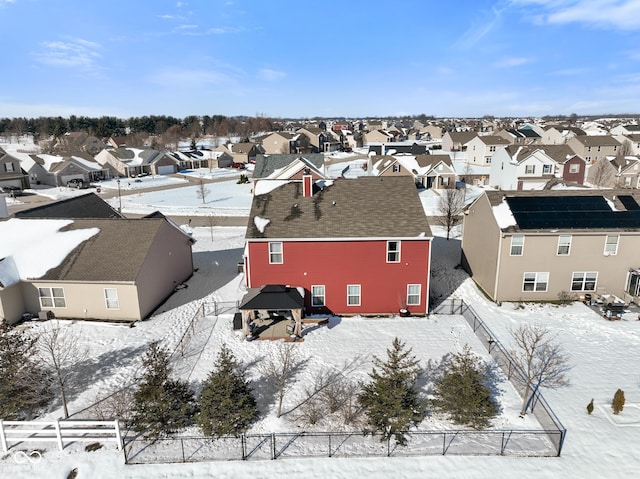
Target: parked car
x: 77, y: 183
x: 12, y: 191
x: 240, y: 166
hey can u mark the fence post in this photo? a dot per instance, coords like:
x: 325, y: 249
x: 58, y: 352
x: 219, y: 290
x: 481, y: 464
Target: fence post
x: 3, y: 439
x: 444, y: 443
x: 58, y: 434
x: 118, y: 435
x: 243, y: 446
x: 273, y: 446
x: 182, y: 447
x: 215, y: 308
x: 330, y: 453
x: 502, y: 447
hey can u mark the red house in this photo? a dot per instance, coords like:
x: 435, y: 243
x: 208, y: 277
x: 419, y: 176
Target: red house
x: 356, y: 246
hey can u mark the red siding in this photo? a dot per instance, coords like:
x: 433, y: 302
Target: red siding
x: 338, y: 264
x: 574, y: 177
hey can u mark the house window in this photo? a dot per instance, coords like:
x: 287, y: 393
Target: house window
x: 564, y: 245
x: 517, y: 245
x: 8, y: 167
x: 588, y: 148
x: 393, y: 251
x: 488, y: 160
x: 52, y: 298
x: 530, y: 169
x: 492, y: 149
x: 111, y: 298
x: 353, y: 295
x: 611, y: 245
x: 275, y: 253
x: 535, y: 282
x: 317, y: 295
x: 413, y: 294
x: 633, y: 283
x: 546, y: 169
x: 395, y: 168
x: 574, y: 168
x: 584, y: 281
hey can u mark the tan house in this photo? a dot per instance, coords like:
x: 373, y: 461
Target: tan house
x: 480, y: 149
x: 320, y: 140
x: 594, y: 148
x: 428, y: 171
x: 538, y: 245
x: 11, y: 173
x: 138, y: 162
x: 285, y: 143
x: 457, y: 140
x: 107, y: 269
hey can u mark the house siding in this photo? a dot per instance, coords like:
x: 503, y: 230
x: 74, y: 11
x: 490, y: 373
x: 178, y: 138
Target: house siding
x: 336, y: 264
x: 11, y: 304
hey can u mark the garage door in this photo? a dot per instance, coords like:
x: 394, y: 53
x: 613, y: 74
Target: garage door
x: 166, y: 170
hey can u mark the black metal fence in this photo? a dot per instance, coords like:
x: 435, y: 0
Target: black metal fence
x: 524, y: 443
x: 538, y: 406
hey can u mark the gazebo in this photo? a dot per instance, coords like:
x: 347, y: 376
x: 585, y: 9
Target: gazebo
x: 272, y: 297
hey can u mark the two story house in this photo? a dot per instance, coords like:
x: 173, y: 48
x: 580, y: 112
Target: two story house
x: 537, y: 245
x: 480, y: 149
x: 354, y: 246
x: 521, y: 168
x: 594, y: 148
x: 11, y: 173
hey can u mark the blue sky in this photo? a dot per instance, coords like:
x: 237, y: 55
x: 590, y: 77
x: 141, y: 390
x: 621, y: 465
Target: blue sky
x: 285, y: 58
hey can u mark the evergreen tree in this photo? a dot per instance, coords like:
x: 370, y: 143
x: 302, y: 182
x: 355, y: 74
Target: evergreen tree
x: 24, y: 388
x: 227, y: 404
x: 162, y: 405
x: 462, y: 393
x: 590, y: 407
x: 618, y: 401
x: 391, y: 400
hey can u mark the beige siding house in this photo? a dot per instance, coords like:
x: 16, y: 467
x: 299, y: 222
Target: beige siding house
x: 594, y: 148
x: 480, y: 149
x: 117, y: 269
x: 533, y: 246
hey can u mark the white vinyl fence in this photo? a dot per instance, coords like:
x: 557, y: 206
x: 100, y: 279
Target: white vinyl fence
x: 60, y: 432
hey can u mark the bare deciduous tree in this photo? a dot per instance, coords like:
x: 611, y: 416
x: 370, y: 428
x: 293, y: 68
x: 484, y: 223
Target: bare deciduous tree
x: 280, y: 369
x: 211, y: 222
x: 601, y: 173
x: 61, y: 350
x: 540, y: 359
x: 450, y: 208
x: 202, y: 192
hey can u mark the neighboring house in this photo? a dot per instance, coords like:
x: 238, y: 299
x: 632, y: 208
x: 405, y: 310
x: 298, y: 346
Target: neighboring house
x: 471, y: 175
x: 558, y: 135
x: 408, y: 147
x: 536, y: 246
x: 624, y: 130
x: 136, y: 162
x: 194, y: 159
x: 320, y: 140
x: 243, y: 152
x: 78, y: 167
x: 117, y: 141
x: 285, y: 143
x: 356, y: 246
x: 594, y: 148
x: 457, y: 140
x: 480, y: 149
x: 522, y: 136
x: 11, y: 172
x: 433, y: 131
x: 427, y: 171
x: 106, y: 269
x: 288, y: 167
x: 378, y: 136
x: 630, y: 142
x: 89, y: 205
x: 627, y: 171
x: 521, y: 168
x: 79, y: 142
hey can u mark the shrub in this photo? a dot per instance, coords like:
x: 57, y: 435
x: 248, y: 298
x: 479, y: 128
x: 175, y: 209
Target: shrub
x: 590, y: 407
x: 618, y: 401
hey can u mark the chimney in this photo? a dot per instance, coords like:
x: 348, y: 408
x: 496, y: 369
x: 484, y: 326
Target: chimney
x: 307, y: 186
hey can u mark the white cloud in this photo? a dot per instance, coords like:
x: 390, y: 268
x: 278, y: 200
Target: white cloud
x: 616, y: 14
x: 480, y: 29
x: 73, y: 52
x: 271, y: 75
x: 513, y: 62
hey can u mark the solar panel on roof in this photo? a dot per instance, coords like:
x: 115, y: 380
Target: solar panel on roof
x: 570, y: 212
x: 629, y: 202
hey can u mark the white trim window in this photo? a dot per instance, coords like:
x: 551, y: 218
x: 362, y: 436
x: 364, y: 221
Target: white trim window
x: 353, y: 295
x: 111, y: 298
x: 317, y: 295
x: 611, y: 245
x: 584, y: 281
x: 529, y: 169
x: 393, y: 251
x: 52, y: 298
x: 547, y: 169
x: 564, y: 245
x: 535, y: 282
x: 517, y: 245
x: 275, y: 252
x: 413, y: 294
x: 8, y: 167
x: 574, y: 168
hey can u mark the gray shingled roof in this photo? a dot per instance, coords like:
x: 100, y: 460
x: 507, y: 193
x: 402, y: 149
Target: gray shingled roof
x: 366, y: 207
x: 267, y: 164
x: 83, y: 206
x: 116, y: 253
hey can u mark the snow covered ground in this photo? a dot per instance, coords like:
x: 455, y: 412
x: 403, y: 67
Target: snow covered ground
x: 603, y: 355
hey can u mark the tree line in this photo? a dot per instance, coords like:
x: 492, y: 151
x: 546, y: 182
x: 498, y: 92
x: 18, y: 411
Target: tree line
x: 106, y: 126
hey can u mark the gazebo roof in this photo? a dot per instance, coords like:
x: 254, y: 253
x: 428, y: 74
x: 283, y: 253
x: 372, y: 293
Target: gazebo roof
x: 272, y: 297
